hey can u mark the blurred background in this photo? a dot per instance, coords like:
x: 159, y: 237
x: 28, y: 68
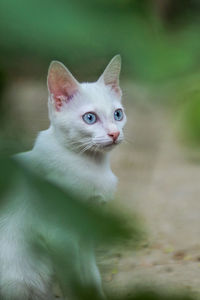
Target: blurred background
x: 159, y: 163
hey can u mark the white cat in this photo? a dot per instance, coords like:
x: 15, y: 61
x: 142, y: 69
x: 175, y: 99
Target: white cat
x: 86, y: 123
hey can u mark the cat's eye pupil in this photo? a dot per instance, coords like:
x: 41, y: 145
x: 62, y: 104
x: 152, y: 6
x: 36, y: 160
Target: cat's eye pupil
x: 118, y: 114
x: 89, y: 118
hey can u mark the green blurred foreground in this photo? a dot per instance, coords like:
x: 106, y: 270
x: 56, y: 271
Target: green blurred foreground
x: 54, y: 213
x: 86, y: 222
x: 82, y: 219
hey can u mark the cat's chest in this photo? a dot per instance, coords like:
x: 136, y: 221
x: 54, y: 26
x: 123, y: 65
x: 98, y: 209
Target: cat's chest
x: 89, y: 179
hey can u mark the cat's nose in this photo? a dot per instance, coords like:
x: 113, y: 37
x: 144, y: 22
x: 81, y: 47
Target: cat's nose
x: 114, y: 135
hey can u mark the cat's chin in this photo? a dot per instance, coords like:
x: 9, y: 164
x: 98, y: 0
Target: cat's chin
x: 108, y: 147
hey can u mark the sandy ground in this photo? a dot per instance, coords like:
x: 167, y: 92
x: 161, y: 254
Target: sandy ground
x: 156, y: 180
x: 160, y: 183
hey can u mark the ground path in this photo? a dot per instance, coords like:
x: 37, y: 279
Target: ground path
x: 160, y: 183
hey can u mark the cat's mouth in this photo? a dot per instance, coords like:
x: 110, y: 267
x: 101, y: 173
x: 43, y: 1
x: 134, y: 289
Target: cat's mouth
x: 109, y: 145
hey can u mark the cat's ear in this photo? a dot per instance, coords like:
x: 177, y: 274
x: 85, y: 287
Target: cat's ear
x: 111, y: 74
x: 61, y: 84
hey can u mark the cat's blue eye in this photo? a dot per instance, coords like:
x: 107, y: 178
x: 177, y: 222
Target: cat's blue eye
x: 118, y: 114
x: 90, y: 118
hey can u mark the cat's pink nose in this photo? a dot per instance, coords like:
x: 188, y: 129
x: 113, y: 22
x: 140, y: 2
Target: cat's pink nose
x: 114, y: 135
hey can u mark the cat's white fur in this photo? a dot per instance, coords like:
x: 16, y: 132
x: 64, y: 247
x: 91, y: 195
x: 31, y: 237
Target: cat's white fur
x: 74, y: 155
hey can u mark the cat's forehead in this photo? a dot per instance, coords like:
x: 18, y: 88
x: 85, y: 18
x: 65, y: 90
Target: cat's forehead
x: 99, y: 95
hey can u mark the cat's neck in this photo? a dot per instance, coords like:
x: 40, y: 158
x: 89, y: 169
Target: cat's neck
x: 48, y: 142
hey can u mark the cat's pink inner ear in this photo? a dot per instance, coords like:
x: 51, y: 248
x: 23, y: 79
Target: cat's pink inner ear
x: 61, y: 83
x: 114, y: 84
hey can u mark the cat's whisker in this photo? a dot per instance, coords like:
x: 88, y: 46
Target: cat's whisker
x: 128, y: 141
x: 128, y: 137
x: 102, y: 140
x: 87, y: 147
x: 95, y: 150
x: 80, y: 145
x: 100, y: 137
x: 82, y: 141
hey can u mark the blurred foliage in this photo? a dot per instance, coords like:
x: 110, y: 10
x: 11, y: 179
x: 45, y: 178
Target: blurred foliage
x: 188, y: 119
x: 58, y: 211
x: 181, y: 98
x: 80, y: 33
x: 56, y: 219
x: 67, y: 211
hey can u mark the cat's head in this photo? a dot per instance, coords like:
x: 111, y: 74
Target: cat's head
x: 86, y: 116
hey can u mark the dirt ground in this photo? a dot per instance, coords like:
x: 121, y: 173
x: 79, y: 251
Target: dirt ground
x: 156, y: 180
x: 159, y: 181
